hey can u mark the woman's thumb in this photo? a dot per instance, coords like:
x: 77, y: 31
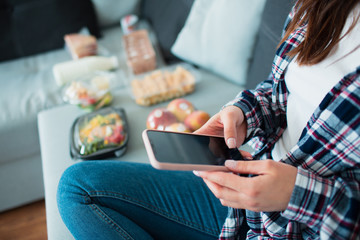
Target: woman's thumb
x: 230, y: 133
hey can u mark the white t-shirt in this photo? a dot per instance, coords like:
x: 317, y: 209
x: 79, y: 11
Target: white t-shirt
x: 308, y: 85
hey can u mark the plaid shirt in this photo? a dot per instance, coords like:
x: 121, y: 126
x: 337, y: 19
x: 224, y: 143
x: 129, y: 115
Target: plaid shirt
x: 325, y: 203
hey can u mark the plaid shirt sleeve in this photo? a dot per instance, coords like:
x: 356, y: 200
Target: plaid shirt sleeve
x: 326, y: 199
x: 266, y: 120
x: 327, y: 189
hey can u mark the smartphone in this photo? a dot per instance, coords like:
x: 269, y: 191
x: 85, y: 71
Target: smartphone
x: 187, y: 151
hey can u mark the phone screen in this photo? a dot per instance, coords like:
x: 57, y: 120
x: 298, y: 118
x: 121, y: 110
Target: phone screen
x: 172, y: 147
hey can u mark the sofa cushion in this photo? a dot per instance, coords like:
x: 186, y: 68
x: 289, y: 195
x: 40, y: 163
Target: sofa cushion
x: 219, y: 36
x: 35, y: 26
x: 167, y: 19
x: 272, y: 22
x: 28, y: 87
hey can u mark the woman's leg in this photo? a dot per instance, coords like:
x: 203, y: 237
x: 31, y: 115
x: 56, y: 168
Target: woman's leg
x: 120, y: 200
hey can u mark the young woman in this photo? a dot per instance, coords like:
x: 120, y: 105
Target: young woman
x: 304, y: 123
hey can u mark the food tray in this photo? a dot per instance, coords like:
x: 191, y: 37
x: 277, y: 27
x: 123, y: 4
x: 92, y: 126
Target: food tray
x: 139, y: 51
x: 163, y: 84
x: 91, y: 91
x: 100, y: 134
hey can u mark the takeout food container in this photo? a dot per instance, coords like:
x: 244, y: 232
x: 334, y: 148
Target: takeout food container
x: 81, y: 45
x: 100, y: 134
x: 163, y: 84
x: 91, y: 91
x: 140, y: 54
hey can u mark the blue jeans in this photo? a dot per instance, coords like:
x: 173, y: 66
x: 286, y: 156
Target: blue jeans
x: 121, y: 200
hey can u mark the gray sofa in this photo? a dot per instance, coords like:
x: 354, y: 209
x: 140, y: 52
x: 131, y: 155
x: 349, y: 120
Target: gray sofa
x: 28, y: 86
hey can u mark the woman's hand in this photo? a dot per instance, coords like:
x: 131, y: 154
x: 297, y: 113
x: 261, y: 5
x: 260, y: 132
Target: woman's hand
x: 269, y: 191
x: 229, y: 123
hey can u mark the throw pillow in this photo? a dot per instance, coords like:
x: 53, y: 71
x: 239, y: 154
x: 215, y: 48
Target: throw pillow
x: 219, y: 36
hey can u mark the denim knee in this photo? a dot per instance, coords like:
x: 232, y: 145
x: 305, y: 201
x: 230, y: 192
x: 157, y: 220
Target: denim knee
x: 69, y: 188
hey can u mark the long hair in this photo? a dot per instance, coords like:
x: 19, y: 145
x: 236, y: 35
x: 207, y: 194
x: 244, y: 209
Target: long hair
x: 325, y: 20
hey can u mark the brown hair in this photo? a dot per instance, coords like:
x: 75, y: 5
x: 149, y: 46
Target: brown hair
x: 325, y: 20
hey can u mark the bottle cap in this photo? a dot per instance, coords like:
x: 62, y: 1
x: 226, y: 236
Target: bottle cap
x: 114, y: 61
x: 128, y: 23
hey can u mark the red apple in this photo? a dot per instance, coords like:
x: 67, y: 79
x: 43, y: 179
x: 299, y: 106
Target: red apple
x: 159, y: 118
x: 181, y: 108
x: 177, y: 127
x: 196, y: 119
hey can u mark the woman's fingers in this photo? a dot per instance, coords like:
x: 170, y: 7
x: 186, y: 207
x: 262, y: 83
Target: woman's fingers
x: 228, y: 180
x: 229, y: 123
x: 212, y: 127
x: 234, y: 126
x: 231, y: 119
x: 249, y: 167
x: 224, y: 193
x: 269, y: 190
x: 246, y: 154
x: 231, y: 198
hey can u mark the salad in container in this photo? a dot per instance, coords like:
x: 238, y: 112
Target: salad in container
x: 91, y: 92
x: 100, y: 134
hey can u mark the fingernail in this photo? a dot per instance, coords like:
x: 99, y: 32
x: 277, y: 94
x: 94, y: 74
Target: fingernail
x: 231, y: 142
x: 230, y: 163
x: 196, y: 173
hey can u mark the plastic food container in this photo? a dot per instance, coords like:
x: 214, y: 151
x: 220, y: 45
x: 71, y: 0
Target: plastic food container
x: 81, y: 45
x: 163, y: 84
x: 90, y: 92
x: 100, y: 134
x: 139, y: 51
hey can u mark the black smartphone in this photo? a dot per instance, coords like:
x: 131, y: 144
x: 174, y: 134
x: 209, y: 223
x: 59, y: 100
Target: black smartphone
x: 187, y: 151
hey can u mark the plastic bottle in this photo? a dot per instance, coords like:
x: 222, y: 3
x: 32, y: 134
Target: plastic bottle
x: 68, y: 71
